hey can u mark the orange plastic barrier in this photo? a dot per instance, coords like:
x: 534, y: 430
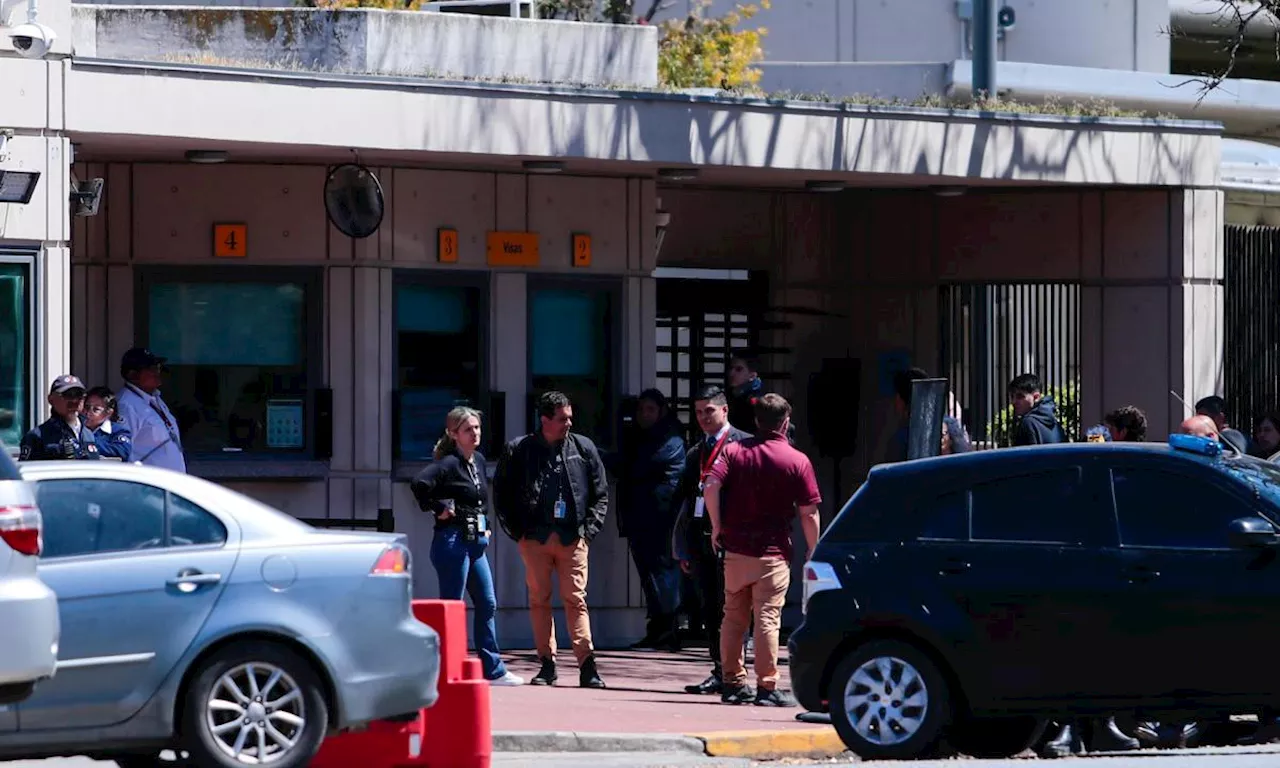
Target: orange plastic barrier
x: 454, y: 733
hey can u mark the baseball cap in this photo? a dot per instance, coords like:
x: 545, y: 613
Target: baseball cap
x: 66, y: 383
x: 140, y: 358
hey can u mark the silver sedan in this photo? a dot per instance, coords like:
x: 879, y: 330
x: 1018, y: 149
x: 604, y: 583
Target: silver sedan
x: 197, y: 619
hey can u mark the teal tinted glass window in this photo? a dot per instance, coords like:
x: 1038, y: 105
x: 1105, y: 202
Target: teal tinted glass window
x: 438, y: 360
x: 239, y: 377
x: 15, y: 353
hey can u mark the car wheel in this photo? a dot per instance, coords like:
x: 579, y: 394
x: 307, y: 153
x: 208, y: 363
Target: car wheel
x: 995, y: 737
x: 254, y: 703
x: 888, y: 700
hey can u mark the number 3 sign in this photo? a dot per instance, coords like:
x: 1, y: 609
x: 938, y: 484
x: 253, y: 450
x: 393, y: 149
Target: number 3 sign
x: 230, y: 241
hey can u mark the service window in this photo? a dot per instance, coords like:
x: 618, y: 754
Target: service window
x: 15, y: 347
x: 440, y: 353
x: 1037, y: 507
x: 1156, y: 508
x: 244, y: 355
x: 573, y: 343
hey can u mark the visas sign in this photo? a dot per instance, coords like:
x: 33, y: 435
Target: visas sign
x: 512, y: 249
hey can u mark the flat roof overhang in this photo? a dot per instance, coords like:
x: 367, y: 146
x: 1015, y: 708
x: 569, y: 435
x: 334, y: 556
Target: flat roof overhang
x: 121, y: 111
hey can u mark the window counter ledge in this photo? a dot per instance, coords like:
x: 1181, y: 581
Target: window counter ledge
x: 258, y: 469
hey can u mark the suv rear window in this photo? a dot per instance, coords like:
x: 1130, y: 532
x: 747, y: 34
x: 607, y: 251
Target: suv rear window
x: 8, y: 467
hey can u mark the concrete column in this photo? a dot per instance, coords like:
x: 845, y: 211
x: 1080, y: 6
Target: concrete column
x: 1152, y: 331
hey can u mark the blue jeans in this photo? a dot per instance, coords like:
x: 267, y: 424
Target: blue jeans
x: 461, y: 564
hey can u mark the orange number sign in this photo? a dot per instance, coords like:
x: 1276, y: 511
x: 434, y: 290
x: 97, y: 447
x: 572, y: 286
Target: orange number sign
x: 230, y: 241
x: 582, y: 250
x: 447, y: 246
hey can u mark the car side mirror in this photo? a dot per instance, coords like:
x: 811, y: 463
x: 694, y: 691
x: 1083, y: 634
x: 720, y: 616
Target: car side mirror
x: 1252, y: 532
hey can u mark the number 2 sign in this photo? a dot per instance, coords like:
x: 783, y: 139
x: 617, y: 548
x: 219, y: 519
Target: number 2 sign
x: 581, y: 250
x: 230, y: 241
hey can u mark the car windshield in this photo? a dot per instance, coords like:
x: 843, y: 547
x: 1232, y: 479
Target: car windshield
x: 1262, y: 476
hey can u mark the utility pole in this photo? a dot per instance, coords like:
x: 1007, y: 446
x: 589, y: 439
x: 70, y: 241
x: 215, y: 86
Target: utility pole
x: 984, y: 48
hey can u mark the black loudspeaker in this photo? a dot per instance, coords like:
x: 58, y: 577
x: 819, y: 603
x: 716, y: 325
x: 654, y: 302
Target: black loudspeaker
x: 324, y: 423
x: 834, y: 407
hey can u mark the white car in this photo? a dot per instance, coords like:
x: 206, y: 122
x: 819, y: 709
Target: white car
x: 29, y: 625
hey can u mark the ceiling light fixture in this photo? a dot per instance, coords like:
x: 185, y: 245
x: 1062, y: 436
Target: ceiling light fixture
x: 677, y: 174
x: 824, y: 186
x: 18, y: 186
x: 949, y: 191
x: 206, y: 156
x: 543, y: 166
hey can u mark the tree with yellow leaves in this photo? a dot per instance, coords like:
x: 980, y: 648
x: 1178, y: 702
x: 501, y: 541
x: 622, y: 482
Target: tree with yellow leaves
x: 711, y: 52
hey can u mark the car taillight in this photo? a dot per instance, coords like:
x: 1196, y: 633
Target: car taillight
x: 818, y: 577
x: 20, y: 529
x: 394, y: 561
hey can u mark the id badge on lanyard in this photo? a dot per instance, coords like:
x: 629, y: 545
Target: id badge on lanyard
x: 700, y: 504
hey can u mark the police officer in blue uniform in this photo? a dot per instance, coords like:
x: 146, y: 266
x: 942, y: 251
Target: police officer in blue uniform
x: 64, y: 435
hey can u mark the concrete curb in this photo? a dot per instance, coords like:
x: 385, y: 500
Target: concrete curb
x: 772, y: 745
x: 755, y: 744
x: 586, y: 741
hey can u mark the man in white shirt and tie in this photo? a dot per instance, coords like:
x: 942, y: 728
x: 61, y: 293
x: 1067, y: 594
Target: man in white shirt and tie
x: 156, y: 442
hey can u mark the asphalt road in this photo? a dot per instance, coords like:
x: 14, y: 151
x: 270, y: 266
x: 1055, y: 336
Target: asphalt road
x: 1240, y: 757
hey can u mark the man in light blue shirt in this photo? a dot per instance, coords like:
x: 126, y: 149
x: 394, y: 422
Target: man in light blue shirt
x: 156, y: 441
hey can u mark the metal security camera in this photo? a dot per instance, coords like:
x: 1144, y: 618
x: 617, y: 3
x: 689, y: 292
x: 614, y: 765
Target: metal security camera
x: 32, y: 40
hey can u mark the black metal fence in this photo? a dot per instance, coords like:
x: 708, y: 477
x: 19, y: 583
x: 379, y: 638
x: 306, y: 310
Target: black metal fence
x: 1251, y: 309
x: 991, y: 333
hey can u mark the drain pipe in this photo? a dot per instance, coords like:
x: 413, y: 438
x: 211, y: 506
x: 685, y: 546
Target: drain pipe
x: 984, y: 48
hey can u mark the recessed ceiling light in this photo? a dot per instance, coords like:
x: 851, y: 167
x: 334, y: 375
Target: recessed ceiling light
x: 949, y: 191
x: 18, y: 186
x: 206, y: 156
x: 543, y: 166
x: 824, y: 186
x: 677, y: 174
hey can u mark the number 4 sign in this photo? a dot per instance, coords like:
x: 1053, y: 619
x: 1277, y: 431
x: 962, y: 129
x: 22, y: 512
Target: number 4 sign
x: 230, y: 241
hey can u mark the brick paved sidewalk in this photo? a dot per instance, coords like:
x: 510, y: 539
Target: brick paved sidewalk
x: 645, y: 695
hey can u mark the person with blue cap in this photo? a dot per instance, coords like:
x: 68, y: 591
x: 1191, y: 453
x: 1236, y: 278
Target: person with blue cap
x: 64, y: 435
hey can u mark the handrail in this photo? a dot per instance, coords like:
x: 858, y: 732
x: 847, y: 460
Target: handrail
x: 515, y: 5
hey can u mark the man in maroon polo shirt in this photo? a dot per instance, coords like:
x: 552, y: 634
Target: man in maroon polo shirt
x: 752, y: 494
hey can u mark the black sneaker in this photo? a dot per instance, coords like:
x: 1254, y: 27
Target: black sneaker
x: 737, y: 694
x: 546, y: 675
x: 713, y: 684
x: 588, y: 676
x: 772, y: 697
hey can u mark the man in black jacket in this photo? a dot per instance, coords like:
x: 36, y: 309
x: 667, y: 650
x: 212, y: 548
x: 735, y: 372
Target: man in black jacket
x: 711, y: 408
x: 552, y: 494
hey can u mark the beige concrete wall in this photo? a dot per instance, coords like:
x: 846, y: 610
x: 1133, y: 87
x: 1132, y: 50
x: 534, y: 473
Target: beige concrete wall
x: 163, y: 215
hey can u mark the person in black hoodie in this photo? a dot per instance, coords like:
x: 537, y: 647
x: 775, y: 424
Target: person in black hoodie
x: 648, y: 472
x: 745, y: 388
x: 1035, y: 417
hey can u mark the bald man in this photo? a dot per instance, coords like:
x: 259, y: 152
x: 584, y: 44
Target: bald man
x: 1200, y: 426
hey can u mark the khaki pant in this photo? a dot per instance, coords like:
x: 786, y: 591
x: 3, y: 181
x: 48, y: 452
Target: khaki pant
x: 569, y: 564
x: 753, y: 584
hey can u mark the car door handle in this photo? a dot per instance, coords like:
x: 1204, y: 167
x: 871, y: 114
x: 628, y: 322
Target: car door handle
x: 953, y: 567
x: 1141, y: 574
x: 193, y: 578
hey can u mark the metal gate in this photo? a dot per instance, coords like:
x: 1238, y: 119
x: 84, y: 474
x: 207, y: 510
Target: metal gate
x: 990, y: 333
x: 700, y: 322
x: 1252, y: 323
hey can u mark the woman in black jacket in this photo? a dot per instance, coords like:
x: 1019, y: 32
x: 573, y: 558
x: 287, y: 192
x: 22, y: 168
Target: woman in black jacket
x: 454, y: 491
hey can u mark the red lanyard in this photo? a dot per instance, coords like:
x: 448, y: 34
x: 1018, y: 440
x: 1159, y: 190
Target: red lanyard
x: 711, y: 460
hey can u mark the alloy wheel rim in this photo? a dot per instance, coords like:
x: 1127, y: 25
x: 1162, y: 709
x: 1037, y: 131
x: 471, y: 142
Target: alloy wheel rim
x: 256, y: 714
x: 886, y: 700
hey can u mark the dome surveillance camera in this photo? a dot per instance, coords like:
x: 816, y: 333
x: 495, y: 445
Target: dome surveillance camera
x: 32, y: 41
